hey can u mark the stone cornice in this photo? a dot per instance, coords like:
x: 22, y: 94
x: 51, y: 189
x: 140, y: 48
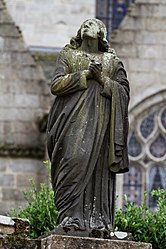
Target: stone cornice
x: 22, y: 151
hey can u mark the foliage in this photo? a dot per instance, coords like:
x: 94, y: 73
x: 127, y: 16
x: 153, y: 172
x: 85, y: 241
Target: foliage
x: 144, y: 224
x: 40, y: 209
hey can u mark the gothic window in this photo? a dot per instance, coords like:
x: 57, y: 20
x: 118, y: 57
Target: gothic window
x: 133, y: 184
x: 134, y: 147
x: 104, y: 13
x: 158, y: 146
x: 120, y: 9
x: 163, y: 118
x: 146, y: 147
x: 157, y: 179
x: 147, y: 126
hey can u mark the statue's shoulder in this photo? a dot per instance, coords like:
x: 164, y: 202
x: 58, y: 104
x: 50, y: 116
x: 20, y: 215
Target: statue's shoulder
x: 67, y: 51
x: 112, y: 56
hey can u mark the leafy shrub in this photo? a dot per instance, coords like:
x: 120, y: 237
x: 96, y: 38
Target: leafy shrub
x: 144, y: 224
x: 40, y: 209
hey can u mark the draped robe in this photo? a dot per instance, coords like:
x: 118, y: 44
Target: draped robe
x: 87, y: 138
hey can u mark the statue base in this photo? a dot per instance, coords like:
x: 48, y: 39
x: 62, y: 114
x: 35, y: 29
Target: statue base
x: 71, y: 242
x: 92, y: 233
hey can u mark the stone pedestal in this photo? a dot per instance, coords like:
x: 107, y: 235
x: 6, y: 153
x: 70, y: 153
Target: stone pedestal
x: 71, y: 242
x: 14, y: 231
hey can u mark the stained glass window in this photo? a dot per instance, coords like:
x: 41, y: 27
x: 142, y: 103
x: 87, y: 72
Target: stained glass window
x: 158, y: 147
x: 112, y: 12
x: 147, y: 126
x: 104, y: 13
x: 134, y: 146
x: 133, y: 184
x: 120, y: 8
x: 148, y: 141
x: 157, y: 179
x: 163, y: 118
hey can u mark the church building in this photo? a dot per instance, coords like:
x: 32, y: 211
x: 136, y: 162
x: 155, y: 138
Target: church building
x: 31, y: 34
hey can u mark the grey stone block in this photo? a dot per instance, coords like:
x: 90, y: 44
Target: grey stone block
x: 23, y: 58
x: 140, y: 65
x: 9, y: 30
x: 14, y: 44
x: 150, y: 51
x: 123, y: 51
x: 5, y: 206
x: 148, y: 2
x: 69, y: 242
x: 2, y: 168
x: 33, y: 86
x: 148, y: 10
x: 129, y: 23
x: 1, y: 44
x: 31, y: 72
x: 26, y: 100
x: 6, y: 225
x: 5, y: 220
x: 5, y: 57
x: 6, y: 100
x: 12, y: 194
x: 25, y: 165
x: 2, y: 5
x: 127, y: 37
x: 6, y: 179
x: 19, y: 114
x: 5, y: 17
x: 149, y: 37
x: 155, y: 24
x: 140, y: 79
x: 23, y: 180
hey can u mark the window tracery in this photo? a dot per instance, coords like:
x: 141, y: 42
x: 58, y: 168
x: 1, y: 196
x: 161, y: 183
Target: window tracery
x: 163, y: 119
x: 133, y: 183
x: 157, y: 179
x: 147, y: 153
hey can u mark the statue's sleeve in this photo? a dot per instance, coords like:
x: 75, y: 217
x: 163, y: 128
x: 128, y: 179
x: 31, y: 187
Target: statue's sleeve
x: 116, y: 87
x: 65, y: 82
x: 119, y: 78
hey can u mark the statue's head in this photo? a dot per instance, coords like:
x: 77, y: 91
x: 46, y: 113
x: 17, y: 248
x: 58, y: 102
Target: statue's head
x: 95, y: 29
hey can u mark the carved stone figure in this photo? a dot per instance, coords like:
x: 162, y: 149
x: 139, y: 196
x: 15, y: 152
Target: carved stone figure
x: 87, y: 131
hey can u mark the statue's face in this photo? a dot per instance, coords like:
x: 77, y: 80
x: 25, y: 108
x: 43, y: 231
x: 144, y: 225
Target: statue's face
x: 90, y: 29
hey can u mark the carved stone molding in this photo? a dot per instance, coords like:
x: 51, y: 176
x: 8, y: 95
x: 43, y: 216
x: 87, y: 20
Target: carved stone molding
x: 22, y: 151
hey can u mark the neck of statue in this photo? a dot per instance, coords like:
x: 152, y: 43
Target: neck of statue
x: 90, y: 45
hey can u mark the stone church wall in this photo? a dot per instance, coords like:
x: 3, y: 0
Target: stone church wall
x: 140, y: 42
x: 24, y: 98
x: 50, y: 23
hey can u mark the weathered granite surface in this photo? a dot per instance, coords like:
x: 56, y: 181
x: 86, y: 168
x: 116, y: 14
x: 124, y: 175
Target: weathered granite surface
x: 9, y: 225
x: 68, y: 242
x: 6, y: 225
x: 15, y: 237
x: 14, y: 234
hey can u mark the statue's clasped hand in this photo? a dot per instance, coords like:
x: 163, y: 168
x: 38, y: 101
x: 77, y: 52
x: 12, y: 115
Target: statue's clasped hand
x: 95, y: 71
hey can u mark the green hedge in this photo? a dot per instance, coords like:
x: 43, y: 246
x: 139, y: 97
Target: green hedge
x: 40, y: 209
x: 144, y: 224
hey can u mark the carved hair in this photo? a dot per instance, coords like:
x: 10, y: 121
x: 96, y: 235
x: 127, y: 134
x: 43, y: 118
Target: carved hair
x: 103, y: 46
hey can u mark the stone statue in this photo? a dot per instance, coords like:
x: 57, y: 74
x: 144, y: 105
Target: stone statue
x: 87, y: 131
